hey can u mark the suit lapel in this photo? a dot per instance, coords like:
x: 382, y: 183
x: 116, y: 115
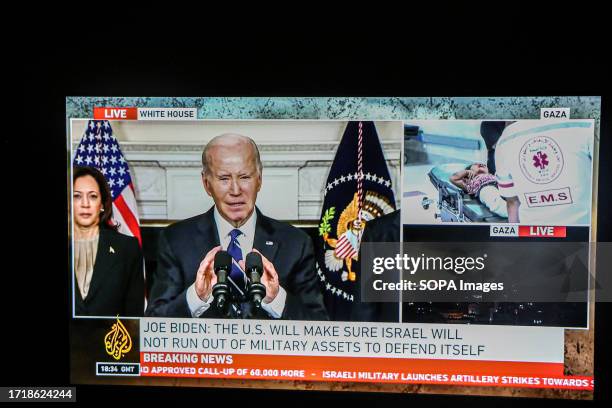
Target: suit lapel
x: 208, y: 237
x: 264, y: 240
x: 78, y: 299
x: 106, y: 257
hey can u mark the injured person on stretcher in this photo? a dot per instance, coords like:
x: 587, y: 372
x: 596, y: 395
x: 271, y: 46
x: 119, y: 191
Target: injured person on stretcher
x: 467, y: 193
x: 476, y: 180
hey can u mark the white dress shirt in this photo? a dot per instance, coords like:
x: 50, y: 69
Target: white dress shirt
x: 198, y: 306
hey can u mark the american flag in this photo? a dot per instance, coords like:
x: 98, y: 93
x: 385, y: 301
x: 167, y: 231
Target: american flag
x: 99, y: 148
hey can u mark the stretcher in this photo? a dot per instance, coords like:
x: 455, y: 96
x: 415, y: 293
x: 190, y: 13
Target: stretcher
x: 455, y: 205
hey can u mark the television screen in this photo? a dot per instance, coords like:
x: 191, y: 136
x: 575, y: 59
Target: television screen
x: 383, y: 244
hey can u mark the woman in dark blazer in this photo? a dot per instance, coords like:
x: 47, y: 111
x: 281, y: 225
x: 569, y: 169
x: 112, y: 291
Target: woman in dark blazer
x: 108, y: 272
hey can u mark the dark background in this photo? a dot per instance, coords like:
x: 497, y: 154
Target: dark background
x: 104, y: 54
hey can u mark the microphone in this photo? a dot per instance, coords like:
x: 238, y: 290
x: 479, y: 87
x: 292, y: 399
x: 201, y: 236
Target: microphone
x: 223, y: 266
x: 254, y: 270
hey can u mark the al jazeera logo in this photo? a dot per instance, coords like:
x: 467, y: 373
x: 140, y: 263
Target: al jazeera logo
x: 117, y: 343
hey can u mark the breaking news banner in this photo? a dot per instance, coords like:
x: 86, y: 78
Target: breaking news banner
x: 334, y: 351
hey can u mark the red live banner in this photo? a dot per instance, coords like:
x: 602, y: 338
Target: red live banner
x: 542, y: 231
x: 107, y: 113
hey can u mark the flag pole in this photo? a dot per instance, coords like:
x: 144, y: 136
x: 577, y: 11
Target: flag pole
x: 360, y: 172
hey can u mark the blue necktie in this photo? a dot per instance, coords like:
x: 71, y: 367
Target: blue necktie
x: 237, y: 276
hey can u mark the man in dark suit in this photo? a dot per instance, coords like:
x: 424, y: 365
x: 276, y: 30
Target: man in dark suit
x: 383, y: 229
x: 184, y: 279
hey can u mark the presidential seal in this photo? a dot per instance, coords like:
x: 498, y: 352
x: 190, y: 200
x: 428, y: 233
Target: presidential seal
x: 349, y: 229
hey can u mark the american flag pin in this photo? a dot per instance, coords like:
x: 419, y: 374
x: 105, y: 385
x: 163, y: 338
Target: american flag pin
x: 111, y: 250
x: 269, y: 243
